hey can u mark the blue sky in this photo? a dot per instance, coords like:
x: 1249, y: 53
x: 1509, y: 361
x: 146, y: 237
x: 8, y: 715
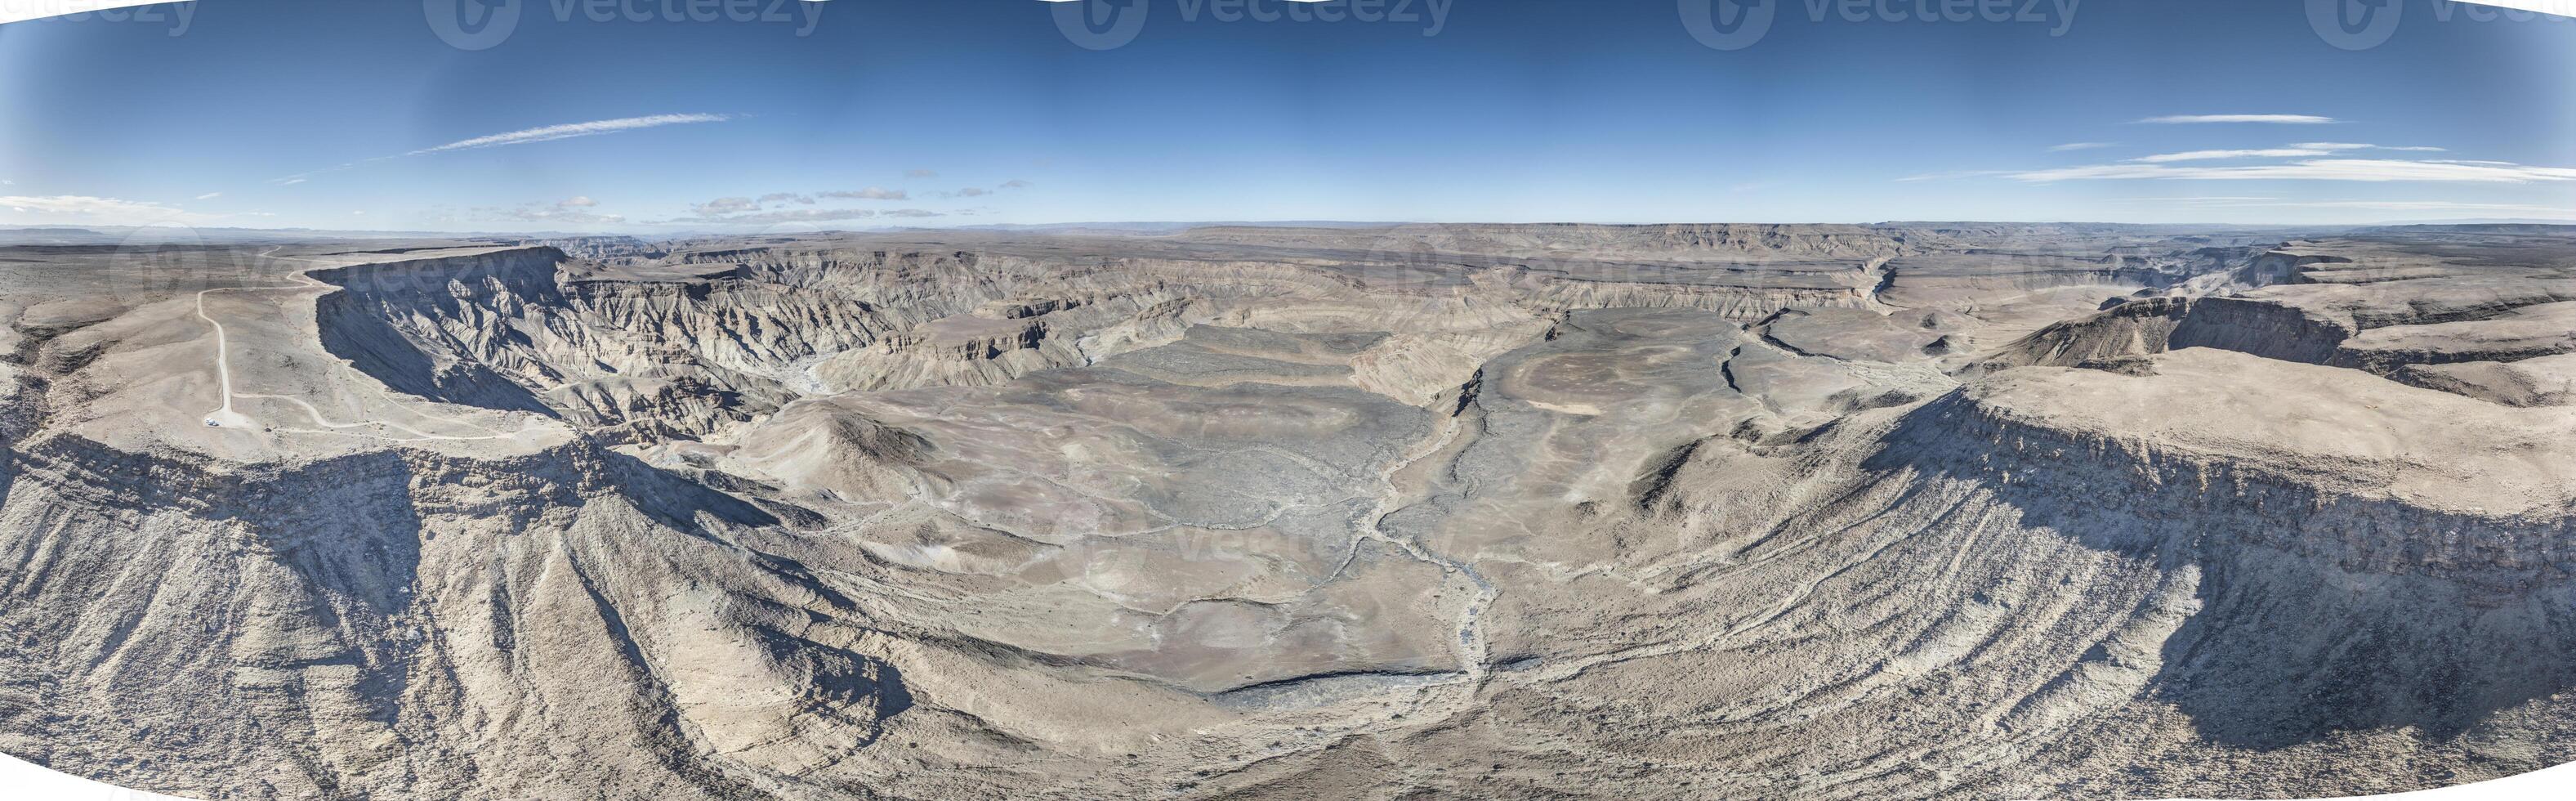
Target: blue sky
x: 862, y: 113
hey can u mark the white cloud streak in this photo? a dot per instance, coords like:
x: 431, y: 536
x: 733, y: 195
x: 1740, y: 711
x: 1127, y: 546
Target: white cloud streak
x: 2212, y: 199
x: 2071, y: 146
x: 570, y: 130
x: 784, y: 216
x: 102, y: 210
x: 561, y: 213
x: 2274, y: 119
x: 2300, y: 150
x: 2312, y: 170
x: 725, y: 205
x: 870, y: 193
x: 2390, y: 205
x: 2359, y: 146
x: 2209, y: 155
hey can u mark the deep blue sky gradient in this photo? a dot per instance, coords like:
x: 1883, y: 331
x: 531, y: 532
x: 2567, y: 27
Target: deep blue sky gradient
x: 1518, y: 110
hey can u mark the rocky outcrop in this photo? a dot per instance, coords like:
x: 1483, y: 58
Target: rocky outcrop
x: 2539, y: 381
x: 2387, y: 328
x: 2336, y: 591
x: 364, y: 604
x: 2130, y: 492
x: 2157, y: 324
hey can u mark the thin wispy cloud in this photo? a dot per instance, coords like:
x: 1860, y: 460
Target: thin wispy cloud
x: 564, y: 212
x: 729, y: 207
x: 785, y: 216
x: 870, y: 193
x: 2390, y: 205
x: 725, y: 205
x: 2300, y: 150
x: 2274, y: 119
x: 794, y: 216
x: 2071, y: 146
x: 1955, y: 174
x: 2359, y: 146
x: 2212, y: 155
x: 571, y: 130
x: 544, y: 134
x: 2311, y: 170
x: 99, y: 209
x: 920, y: 173
x: 210, y: 196
x: 977, y: 191
x: 2438, y: 205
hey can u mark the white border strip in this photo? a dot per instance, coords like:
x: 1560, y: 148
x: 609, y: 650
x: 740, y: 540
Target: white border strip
x: 20, y: 10
x: 2561, y: 8
x: 22, y: 779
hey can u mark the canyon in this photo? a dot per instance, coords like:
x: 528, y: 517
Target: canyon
x: 1500, y: 511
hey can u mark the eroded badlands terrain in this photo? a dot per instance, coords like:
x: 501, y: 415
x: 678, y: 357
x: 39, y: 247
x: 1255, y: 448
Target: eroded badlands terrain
x: 1722, y: 511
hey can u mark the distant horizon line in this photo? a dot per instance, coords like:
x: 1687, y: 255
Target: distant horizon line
x: 1178, y: 225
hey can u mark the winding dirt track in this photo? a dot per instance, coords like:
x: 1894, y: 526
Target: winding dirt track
x: 225, y: 416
